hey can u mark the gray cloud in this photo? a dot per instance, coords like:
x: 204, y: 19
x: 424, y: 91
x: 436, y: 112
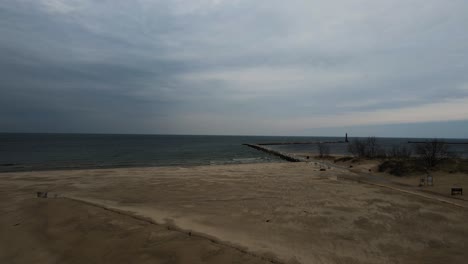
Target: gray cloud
x: 231, y: 67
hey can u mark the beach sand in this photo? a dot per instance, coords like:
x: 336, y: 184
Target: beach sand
x: 253, y: 213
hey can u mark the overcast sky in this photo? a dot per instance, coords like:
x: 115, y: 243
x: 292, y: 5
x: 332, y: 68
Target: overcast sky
x: 367, y: 67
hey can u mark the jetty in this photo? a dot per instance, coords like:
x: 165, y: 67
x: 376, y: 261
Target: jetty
x: 288, y: 156
x: 299, y: 143
x: 445, y: 142
x: 282, y: 155
x: 303, y: 142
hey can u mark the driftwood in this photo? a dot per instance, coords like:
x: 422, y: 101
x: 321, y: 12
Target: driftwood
x: 457, y: 190
x: 41, y: 194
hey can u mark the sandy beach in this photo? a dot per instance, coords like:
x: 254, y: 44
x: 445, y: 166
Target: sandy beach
x: 251, y: 213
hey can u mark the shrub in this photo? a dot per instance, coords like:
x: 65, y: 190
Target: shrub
x: 365, y: 148
x: 399, y: 153
x: 357, y: 148
x: 432, y: 152
x: 343, y: 159
x: 323, y: 149
x: 394, y: 167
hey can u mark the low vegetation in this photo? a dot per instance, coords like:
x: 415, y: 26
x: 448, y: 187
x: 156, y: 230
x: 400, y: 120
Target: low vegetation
x: 343, y: 159
x: 323, y: 149
x: 432, y: 152
x: 398, y: 167
x: 365, y: 148
x: 399, y: 153
x: 402, y: 160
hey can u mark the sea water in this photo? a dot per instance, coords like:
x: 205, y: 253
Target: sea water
x: 23, y: 152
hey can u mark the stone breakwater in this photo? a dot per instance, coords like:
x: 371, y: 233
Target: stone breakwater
x: 285, y: 156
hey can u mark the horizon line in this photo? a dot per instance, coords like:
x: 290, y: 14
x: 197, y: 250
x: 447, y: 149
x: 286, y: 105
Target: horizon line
x: 214, y: 135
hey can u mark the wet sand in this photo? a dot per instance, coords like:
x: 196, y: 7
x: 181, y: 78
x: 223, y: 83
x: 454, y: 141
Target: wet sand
x: 256, y: 213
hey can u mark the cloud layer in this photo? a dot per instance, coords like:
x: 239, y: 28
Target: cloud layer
x: 232, y: 67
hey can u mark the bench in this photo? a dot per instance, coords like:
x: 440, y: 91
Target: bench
x: 457, y: 190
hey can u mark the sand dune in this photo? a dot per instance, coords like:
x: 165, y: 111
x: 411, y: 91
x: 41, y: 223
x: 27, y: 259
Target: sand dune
x: 250, y: 213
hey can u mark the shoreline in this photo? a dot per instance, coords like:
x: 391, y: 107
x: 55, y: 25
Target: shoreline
x: 133, y: 166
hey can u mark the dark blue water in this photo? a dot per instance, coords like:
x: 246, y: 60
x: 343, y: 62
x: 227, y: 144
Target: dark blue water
x: 19, y: 152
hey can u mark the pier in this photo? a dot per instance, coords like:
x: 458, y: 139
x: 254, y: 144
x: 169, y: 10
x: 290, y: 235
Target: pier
x: 444, y: 142
x: 298, y: 143
x: 282, y: 155
x: 287, y: 156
